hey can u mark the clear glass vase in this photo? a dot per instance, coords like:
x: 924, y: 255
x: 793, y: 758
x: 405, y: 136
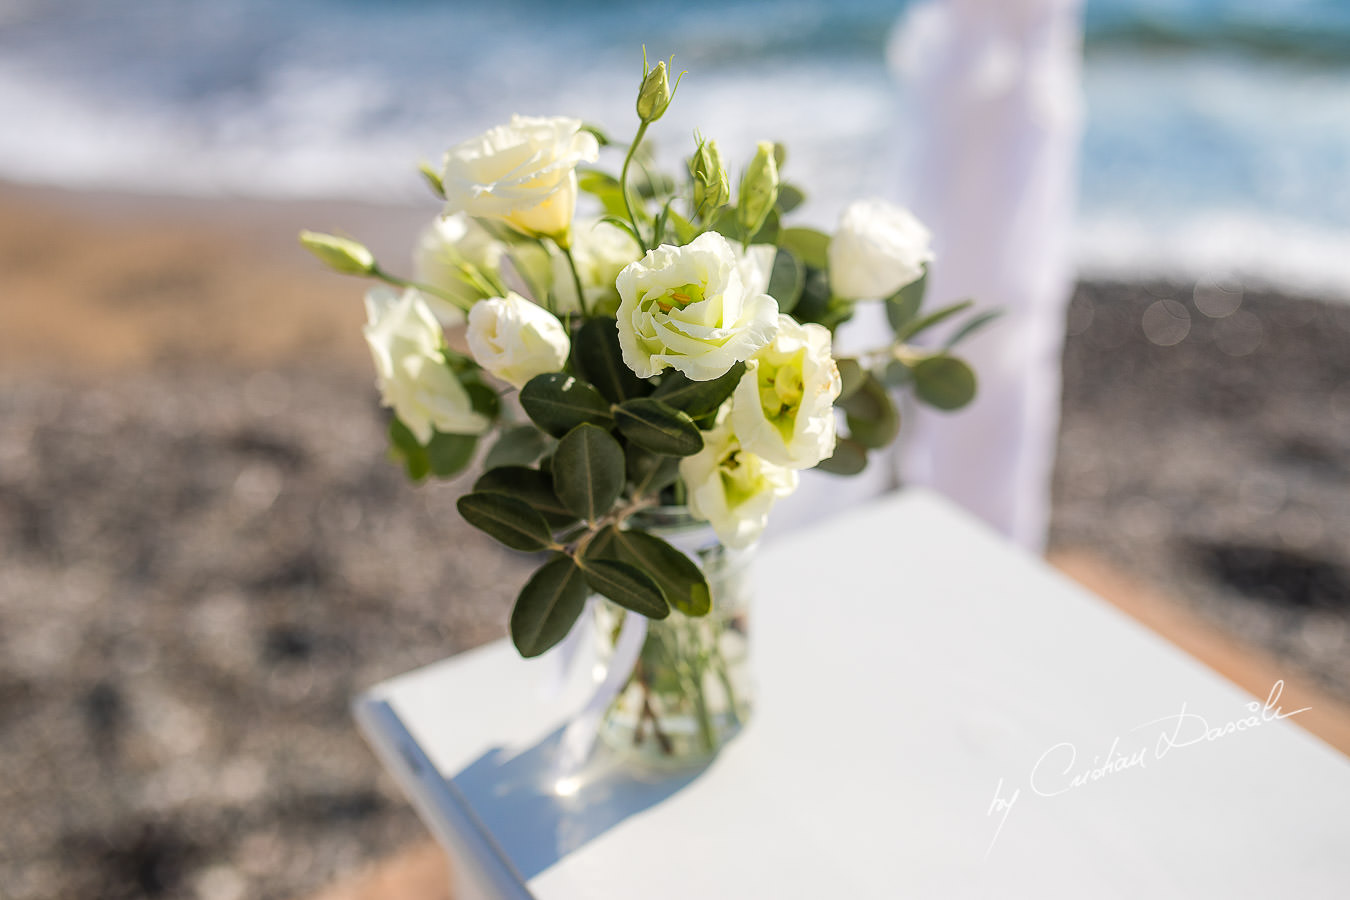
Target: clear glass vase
x: 690, y: 691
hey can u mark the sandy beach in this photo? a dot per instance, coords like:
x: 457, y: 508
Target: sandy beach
x: 205, y: 552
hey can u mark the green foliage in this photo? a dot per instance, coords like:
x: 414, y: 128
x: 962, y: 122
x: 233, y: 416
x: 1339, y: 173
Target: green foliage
x: 588, y: 471
x: 850, y: 458
x: 658, y: 427
x: 509, y: 520
x: 519, y: 445
x: 918, y: 326
x: 681, y: 581
x: 787, y: 280
x: 533, y: 486
x: 605, y: 188
x: 649, y: 472
x: 789, y: 197
x: 627, y: 586
x: 598, y: 359
x: 971, y: 326
x: 812, y: 247
x: 698, y: 398
x: 851, y: 377
x: 944, y: 382
x: 903, y: 305
x: 548, y: 606
x: 873, y: 421
x: 558, y: 402
x: 444, y: 456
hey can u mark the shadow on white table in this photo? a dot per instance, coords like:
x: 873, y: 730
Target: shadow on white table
x: 938, y: 715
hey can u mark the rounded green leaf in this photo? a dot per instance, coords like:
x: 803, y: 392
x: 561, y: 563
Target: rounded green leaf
x: 532, y: 486
x: 680, y: 579
x: 849, y: 458
x: 518, y: 446
x: 599, y: 360
x: 810, y: 246
x: 657, y: 427
x: 872, y: 418
x: 698, y: 398
x: 558, y: 402
x: 787, y: 280
x: 548, y: 606
x: 903, y: 305
x: 404, y: 448
x: 627, y: 586
x: 450, y: 454
x: 588, y: 471
x: 649, y: 472
x: 510, y: 520
x: 944, y: 382
x: 851, y: 375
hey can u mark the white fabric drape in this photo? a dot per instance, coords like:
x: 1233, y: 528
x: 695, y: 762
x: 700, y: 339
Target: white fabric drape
x: 995, y: 90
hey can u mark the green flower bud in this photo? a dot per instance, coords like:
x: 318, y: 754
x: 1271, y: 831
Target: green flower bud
x: 759, y: 189
x: 654, y: 97
x: 340, y: 254
x: 712, y: 185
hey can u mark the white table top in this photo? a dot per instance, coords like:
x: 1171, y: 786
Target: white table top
x: 912, y: 668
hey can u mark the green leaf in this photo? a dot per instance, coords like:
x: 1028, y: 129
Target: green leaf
x: 482, y: 397
x: 849, y: 458
x: 548, y: 606
x: 532, y: 486
x: 681, y: 581
x: 603, y: 187
x: 812, y: 247
x: 599, y: 360
x: 558, y: 402
x: 517, y: 446
x: 814, y: 303
x: 972, y: 325
x: 657, y: 427
x: 450, y: 454
x: 851, y: 375
x: 650, y: 472
x: 588, y: 471
x: 896, y: 375
x: 787, y: 280
x: 944, y: 382
x: 933, y: 318
x: 698, y: 398
x: 873, y: 421
x: 903, y: 305
x: 511, y: 521
x: 404, y: 448
x: 627, y: 586
x: 789, y: 198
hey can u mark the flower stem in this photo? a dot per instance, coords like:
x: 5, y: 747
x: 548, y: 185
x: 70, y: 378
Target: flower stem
x: 576, y: 279
x: 387, y: 278
x: 623, y: 184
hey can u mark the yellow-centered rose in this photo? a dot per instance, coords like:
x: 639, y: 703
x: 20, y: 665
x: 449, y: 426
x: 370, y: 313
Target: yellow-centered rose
x: 689, y: 308
x: 523, y: 173
x: 732, y: 488
x: 405, y: 341
x: 783, y: 408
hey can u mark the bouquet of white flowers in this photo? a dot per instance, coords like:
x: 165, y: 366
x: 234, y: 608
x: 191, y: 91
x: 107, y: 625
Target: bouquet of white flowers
x: 671, y: 350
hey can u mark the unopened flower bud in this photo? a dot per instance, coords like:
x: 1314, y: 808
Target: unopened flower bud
x: 759, y: 189
x: 340, y: 254
x: 712, y: 186
x: 654, y: 97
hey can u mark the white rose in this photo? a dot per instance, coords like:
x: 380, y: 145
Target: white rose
x: 523, y: 173
x: 688, y: 307
x: 783, y: 408
x: 516, y: 340
x: 405, y: 340
x: 601, y: 251
x: 878, y: 249
x: 445, y: 249
x: 732, y: 488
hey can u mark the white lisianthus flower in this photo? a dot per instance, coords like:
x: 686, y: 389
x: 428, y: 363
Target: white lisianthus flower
x: 405, y: 340
x: 783, y: 408
x: 732, y: 488
x: 878, y: 249
x: 756, y: 264
x: 515, y: 339
x: 445, y: 249
x: 523, y: 173
x: 688, y: 308
x: 601, y: 251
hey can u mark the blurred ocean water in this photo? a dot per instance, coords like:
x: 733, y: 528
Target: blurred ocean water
x: 1218, y: 136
